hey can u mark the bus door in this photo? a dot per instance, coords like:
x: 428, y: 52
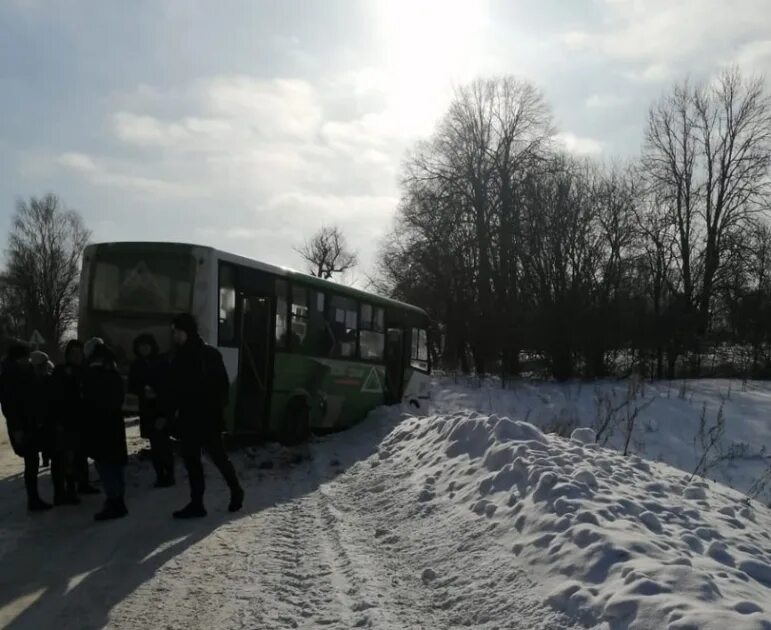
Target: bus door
x: 254, y: 364
x: 394, y: 365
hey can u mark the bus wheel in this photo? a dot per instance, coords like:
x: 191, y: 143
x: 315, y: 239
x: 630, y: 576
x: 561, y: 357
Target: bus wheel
x: 297, y: 424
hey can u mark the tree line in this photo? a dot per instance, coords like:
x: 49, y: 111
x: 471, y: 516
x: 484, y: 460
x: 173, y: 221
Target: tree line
x: 529, y: 258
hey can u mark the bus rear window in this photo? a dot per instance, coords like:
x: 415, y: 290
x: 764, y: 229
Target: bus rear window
x: 142, y: 282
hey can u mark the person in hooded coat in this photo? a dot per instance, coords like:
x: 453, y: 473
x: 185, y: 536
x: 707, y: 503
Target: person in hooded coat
x: 45, y: 413
x: 147, y: 381
x: 197, y: 396
x: 17, y: 389
x: 67, y: 382
x: 106, y: 430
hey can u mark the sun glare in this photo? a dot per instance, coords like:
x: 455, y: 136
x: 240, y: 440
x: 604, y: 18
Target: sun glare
x: 427, y: 47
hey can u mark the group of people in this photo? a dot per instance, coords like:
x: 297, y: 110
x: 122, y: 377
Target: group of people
x: 74, y: 412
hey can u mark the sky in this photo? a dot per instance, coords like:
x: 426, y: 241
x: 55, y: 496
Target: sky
x: 248, y: 124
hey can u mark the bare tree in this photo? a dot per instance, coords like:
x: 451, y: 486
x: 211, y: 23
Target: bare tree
x: 40, y: 284
x: 461, y: 203
x: 669, y: 161
x: 707, y: 158
x: 734, y: 121
x: 327, y: 253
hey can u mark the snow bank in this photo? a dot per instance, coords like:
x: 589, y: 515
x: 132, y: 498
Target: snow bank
x: 667, y: 421
x: 614, y: 540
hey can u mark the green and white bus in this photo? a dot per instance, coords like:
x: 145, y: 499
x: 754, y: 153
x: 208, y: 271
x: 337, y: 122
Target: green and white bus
x: 303, y: 354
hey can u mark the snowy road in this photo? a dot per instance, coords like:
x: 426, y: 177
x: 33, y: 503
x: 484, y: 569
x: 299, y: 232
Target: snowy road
x: 328, y: 541
x: 459, y: 520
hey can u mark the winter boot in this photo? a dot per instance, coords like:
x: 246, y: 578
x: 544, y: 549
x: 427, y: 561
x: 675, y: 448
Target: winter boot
x: 87, y: 488
x: 165, y: 482
x: 191, y: 510
x: 66, y: 498
x: 113, y: 508
x: 236, y: 499
x: 72, y: 491
x: 36, y: 504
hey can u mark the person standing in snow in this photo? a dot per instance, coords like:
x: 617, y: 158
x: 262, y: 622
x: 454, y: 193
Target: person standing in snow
x: 198, y: 393
x: 17, y: 388
x: 51, y: 439
x: 71, y: 378
x: 106, y: 430
x: 146, y: 381
x: 67, y: 383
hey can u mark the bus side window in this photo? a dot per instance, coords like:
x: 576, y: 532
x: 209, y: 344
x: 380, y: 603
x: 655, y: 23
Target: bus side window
x: 227, y: 305
x: 372, y: 334
x: 299, y: 318
x: 419, y: 349
x: 317, y: 341
x: 282, y: 327
x: 343, y: 319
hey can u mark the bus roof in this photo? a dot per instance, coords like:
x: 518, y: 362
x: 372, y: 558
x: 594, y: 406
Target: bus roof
x: 276, y: 270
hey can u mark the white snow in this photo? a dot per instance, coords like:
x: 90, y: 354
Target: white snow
x: 460, y: 519
x: 584, y: 435
x: 666, y: 425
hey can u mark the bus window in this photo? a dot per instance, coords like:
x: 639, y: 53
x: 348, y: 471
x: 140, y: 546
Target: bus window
x: 227, y: 305
x: 317, y: 340
x: 343, y: 321
x: 300, y: 314
x: 142, y: 282
x: 371, y: 336
x: 419, y: 351
x: 281, y: 314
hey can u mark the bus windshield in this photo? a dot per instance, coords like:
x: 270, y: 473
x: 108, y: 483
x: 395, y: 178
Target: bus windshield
x: 142, y: 282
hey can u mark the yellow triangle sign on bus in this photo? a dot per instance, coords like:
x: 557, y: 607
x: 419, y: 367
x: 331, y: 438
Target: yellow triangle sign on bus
x: 372, y: 384
x: 36, y: 339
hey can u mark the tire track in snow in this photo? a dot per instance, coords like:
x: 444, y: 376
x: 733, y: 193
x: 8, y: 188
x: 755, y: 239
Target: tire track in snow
x: 385, y: 592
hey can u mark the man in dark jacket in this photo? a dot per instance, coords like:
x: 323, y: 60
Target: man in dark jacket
x: 106, y: 430
x: 69, y: 384
x: 70, y: 456
x: 198, y: 394
x: 147, y: 381
x: 50, y: 435
x: 17, y: 389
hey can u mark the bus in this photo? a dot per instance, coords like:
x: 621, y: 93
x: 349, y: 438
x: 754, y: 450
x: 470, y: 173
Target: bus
x: 303, y: 354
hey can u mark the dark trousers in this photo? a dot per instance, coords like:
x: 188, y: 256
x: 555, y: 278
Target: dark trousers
x: 112, y: 480
x: 191, y: 452
x: 62, y: 474
x: 80, y: 465
x: 31, y: 468
x: 162, y: 455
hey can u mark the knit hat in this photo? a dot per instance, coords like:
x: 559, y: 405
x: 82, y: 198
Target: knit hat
x: 148, y: 340
x: 38, y: 358
x: 91, y: 345
x: 72, y: 344
x: 186, y: 323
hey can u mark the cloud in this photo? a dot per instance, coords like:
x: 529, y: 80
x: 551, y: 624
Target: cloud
x: 101, y: 175
x: 579, y: 145
x: 78, y: 162
x: 226, y: 107
x: 653, y: 73
x: 276, y: 152
x: 275, y: 108
x: 335, y: 208
x: 147, y: 131
x: 606, y: 101
x: 755, y: 56
x: 658, y: 33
